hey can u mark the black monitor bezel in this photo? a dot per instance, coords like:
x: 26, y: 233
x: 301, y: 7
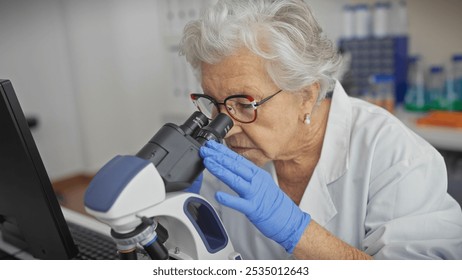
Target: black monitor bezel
x: 49, y: 236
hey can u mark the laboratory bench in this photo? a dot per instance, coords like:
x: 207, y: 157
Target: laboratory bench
x: 445, y: 138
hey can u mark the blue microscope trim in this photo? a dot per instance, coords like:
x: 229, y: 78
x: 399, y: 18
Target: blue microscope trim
x: 111, y: 180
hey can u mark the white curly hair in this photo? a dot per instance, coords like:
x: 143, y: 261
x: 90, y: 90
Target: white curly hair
x: 283, y: 32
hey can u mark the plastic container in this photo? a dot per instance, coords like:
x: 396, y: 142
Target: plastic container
x: 383, y: 88
x: 362, y: 21
x: 415, y: 98
x: 348, y: 22
x: 398, y: 23
x: 381, y: 20
x: 436, y: 88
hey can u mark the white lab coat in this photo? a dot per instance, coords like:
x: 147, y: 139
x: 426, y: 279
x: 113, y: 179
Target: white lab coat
x: 377, y: 186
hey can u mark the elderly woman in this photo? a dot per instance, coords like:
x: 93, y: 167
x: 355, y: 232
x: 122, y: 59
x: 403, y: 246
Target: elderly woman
x: 308, y: 172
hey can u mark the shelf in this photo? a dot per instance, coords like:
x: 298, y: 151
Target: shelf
x: 440, y: 137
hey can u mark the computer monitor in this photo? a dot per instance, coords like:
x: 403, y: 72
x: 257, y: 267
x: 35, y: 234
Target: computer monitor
x: 30, y: 215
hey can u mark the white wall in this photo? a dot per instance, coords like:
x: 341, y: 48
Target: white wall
x: 34, y: 56
x: 329, y: 15
x: 118, y: 74
x: 435, y: 29
x: 93, y: 72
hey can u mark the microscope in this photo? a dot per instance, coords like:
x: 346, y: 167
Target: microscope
x: 142, y: 197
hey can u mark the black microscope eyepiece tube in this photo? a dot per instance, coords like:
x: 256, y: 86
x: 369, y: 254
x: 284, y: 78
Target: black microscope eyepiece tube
x: 196, y: 121
x: 216, y: 129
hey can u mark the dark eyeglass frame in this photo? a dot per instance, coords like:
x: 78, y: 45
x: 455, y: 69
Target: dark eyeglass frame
x: 254, y: 104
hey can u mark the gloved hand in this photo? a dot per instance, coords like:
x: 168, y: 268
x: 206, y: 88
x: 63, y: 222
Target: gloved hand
x: 260, y: 199
x: 196, y: 185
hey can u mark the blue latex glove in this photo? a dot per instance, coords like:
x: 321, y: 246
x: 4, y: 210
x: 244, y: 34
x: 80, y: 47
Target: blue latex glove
x: 260, y: 198
x: 196, y: 185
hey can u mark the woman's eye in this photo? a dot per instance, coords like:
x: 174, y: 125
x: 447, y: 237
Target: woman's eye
x: 245, y: 106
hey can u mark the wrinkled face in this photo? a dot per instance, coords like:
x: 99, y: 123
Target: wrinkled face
x: 276, y: 133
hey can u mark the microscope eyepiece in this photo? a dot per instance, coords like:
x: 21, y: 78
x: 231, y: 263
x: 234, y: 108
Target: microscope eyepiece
x: 196, y: 121
x: 215, y: 130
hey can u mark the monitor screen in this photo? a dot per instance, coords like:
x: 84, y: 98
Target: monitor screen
x: 30, y: 215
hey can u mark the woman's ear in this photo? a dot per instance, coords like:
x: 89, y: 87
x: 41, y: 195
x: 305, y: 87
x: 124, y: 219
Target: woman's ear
x: 310, y: 96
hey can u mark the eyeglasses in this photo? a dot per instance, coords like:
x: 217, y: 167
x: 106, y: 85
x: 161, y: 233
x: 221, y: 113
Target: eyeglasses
x: 242, y: 108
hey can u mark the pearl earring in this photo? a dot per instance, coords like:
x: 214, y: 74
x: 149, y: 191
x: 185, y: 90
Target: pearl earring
x: 307, y: 119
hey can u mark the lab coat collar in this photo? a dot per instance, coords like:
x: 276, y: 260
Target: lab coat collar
x: 333, y: 162
x: 335, y: 148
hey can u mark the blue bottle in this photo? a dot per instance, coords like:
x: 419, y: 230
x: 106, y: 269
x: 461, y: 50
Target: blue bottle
x: 436, y: 88
x: 457, y: 82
